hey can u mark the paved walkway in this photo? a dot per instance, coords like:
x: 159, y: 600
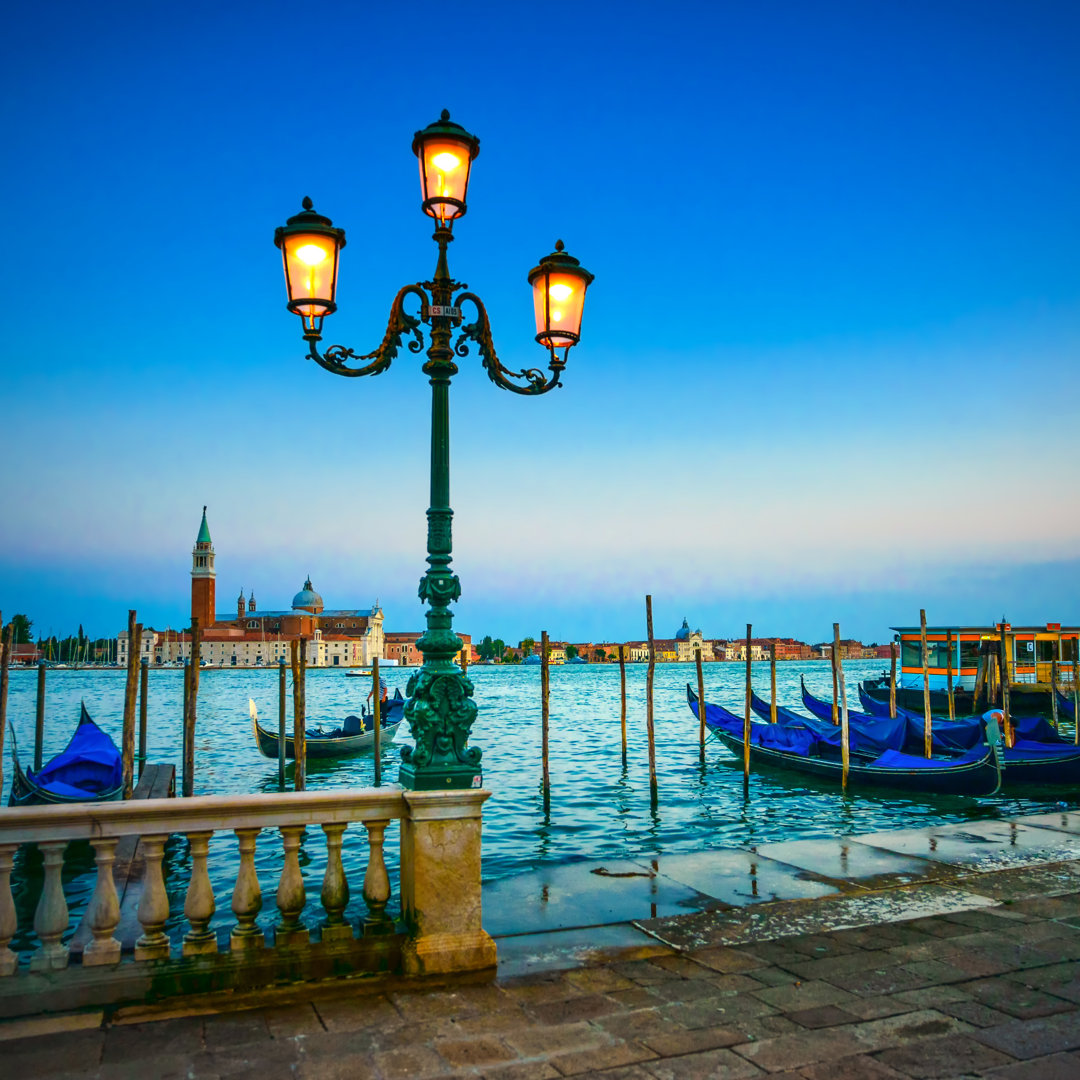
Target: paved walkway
x: 970, y: 971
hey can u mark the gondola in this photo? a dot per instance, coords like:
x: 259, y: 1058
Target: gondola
x: 1038, y: 755
x: 88, y: 769
x: 354, y: 735
x: 812, y: 747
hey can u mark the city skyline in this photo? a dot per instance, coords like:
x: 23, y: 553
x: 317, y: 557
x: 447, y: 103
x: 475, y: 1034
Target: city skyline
x: 828, y: 363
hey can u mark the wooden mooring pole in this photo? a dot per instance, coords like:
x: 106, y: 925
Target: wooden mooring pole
x: 649, y: 677
x: 1006, y: 679
x: 281, y: 724
x: 772, y: 683
x: 144, y: 676
x: 948, y: 668
x: 545, y: 703
x: 927, y: 722
x: 376, y: 710
x: 892, y: 680
x: 700, y: 700
x: 127, y: 739
x: 845, y: 735
x: 191, y: 709
x: 1076, y: 695
x: 299, y: 653
x: 835, y: 657
x: 746, y: 714
x: 39, y: 719
x: 5, y: 661
x: 622, y: 698
x: 1053, y: 693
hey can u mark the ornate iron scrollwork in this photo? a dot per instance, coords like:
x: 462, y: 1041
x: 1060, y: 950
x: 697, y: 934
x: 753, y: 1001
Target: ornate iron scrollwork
x: 479, y: 332
x: 399, y: 324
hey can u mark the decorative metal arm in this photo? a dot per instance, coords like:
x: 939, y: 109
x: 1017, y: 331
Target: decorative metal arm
x: 536, y: 382
x: 400, y: 323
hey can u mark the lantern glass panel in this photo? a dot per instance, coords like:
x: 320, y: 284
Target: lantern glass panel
x: 558, y: 301
x: 311, y: 263
x: 444, y: 175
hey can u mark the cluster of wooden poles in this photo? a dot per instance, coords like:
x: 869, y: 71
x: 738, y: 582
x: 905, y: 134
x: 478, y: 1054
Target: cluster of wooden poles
x: 135, y: 700
x: 984, y: 683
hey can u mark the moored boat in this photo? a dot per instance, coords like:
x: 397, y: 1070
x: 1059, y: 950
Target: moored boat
x: 813, y: 747
x: 354, y: 735
x: 88, y: 769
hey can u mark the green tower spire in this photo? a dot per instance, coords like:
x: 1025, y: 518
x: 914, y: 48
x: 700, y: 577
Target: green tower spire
x: 204, y: 530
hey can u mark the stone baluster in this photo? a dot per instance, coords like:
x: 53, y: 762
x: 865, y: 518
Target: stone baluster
x: 103, y: 912
x: 51, y: 917
x: 335, y: 888
x: 247, y: 896
x: 291, y: 895
x: 9, y: 921
x: 376, y: 882
x: 199, y: 904
x: 153, y: 909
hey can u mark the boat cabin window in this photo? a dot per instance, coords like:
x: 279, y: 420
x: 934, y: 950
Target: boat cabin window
x: 937, y: 654
x: 1025, y: 651
x: 969, y: 654
x: 1068, y: 649
x: 1045, y: 650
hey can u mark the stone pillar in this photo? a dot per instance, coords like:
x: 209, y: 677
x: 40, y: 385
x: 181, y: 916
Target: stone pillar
x: 440, y: 883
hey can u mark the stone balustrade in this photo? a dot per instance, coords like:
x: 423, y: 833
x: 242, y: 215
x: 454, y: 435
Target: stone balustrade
x: 439, y: 932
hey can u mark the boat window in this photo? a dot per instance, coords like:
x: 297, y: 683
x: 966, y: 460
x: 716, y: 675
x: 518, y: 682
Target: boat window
x: 1045, y: 650
x: 1068, y: 649
x: 969, y: 654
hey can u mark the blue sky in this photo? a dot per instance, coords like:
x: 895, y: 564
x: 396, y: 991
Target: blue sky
x: 829, y: 365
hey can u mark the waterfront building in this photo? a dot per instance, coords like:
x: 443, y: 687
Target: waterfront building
x: 401, y: 647
x: 255, y: 637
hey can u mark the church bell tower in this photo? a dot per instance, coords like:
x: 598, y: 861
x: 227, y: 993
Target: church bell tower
x: 203, y: 576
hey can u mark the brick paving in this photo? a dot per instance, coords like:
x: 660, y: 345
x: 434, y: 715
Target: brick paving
x: 990, y: 993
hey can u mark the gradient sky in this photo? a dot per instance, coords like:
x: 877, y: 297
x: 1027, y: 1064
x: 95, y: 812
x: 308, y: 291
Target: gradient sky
x: 829, y: 367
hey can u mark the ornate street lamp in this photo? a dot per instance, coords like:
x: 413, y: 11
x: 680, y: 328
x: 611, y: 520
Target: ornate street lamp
x: 440, y: 709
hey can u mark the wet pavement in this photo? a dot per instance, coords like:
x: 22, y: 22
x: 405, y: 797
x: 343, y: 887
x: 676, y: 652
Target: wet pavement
x: 948, y: 952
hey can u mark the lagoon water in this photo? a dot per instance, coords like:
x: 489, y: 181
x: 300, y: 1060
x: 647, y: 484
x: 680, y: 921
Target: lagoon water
x: 599, y: 810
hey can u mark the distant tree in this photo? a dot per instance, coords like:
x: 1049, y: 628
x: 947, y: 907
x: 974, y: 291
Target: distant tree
x: 486, y: 648
x: 600, y: 655
x: 571, y: 652
x: 511, y: 657
x: 498, y: 648
x: 20, y: 630
x: 527, y: 646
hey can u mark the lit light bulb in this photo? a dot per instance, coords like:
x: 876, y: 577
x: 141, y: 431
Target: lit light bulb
x: 312, y: 254
x: 560, y: 291
x: 446, y: 162
x: 556, y: 316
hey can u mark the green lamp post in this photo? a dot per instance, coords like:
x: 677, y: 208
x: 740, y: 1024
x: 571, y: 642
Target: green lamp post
x: 440, y: 708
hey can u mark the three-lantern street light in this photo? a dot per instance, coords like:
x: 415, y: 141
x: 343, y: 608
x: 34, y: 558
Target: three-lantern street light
x: 440, y: 709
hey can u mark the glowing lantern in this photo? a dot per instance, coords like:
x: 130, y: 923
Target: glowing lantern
x: 559, y: 285
x: 445, y: 151
x: 309, y: 249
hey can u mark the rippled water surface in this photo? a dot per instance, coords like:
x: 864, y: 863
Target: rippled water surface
x: 599, y: 809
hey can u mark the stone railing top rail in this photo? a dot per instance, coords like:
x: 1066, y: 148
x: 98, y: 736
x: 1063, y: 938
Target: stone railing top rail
x: 203, y: 813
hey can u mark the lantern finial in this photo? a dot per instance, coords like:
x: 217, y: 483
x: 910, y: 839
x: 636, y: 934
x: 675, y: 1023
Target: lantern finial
x: 559, y: 245
x: 307, y: 204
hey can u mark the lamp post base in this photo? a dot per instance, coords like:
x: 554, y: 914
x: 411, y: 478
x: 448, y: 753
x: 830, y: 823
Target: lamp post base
x: 440, y: 778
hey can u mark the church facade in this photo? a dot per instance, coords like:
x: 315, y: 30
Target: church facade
x: 251, y: 636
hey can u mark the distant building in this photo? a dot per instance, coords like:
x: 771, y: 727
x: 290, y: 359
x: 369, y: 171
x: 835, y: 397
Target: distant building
x: 254, y: 637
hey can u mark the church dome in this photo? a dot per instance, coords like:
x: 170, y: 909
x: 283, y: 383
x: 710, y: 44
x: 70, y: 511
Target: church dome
x: 307, y: 599
x: 683, y: 633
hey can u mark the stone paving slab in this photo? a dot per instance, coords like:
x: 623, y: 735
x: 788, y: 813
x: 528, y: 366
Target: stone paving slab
x: 845, y: 859
x: 585, y: 894
x: 981, y: 845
